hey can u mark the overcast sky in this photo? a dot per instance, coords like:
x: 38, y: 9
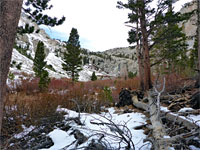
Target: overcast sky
x: 99, y: 23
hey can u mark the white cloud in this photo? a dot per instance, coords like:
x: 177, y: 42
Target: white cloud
x: 97, y: 21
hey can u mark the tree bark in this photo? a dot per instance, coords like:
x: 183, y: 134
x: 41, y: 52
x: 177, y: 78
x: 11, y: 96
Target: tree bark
x: 146, y: 60
x: 140, y: 57
x: 197, y: 84
x: 198, y: 32
x: 10, y: 11
x: 140, y: 67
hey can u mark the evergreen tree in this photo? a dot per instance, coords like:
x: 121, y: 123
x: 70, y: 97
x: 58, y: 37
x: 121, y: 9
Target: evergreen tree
x: 72, y: 57
x: 170, y: 41
x: 93, y: 77
x: 145, y: 21
x: 39, y: 67
x: 34, y: 11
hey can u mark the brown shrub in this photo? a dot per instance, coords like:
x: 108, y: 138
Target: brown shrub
x: 60, y: 84
x: 27, y: 106
x: 29, y: 85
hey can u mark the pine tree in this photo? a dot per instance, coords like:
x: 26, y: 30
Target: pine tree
x: 72, y: 57
x: 93, y: 77
x: 36, y: 15
x: 170, y: 41
x: 39, y: 67
x: 145, y: 21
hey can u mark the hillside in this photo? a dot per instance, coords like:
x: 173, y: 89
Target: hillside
x: 114, y: 112
x: 109, y: 63
x: 106, y: 64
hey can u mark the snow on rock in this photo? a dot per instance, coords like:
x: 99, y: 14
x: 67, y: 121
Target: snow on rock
x: 185, y: 109
x: 60, y: 139
x: 192, y: 118
x: 56, y: 62
x: 63, y: 139
x: 193, y: 147
x: 25, y: 132
x: 29, y: 42
x: 165, y: 109
x: 86, y: 73
x: 27, y: 63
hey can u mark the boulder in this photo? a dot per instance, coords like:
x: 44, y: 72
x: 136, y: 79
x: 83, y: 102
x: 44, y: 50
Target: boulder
x: 195, y: 100
x: 125, y: 98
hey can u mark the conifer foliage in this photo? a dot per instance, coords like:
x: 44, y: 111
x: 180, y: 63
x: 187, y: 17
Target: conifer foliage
x: 93, y: 77
x: 34, y: 9
x: 39, y: 67
x: 154, y: 27
x: 72, y: 57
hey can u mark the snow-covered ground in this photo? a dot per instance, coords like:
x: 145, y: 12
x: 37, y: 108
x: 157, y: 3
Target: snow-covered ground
x: 66, y: 140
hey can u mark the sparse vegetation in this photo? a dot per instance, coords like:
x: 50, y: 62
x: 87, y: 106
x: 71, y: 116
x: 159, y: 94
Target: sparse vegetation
x: 23, y: 50
x: 131, y: 75
x: 41, y: 105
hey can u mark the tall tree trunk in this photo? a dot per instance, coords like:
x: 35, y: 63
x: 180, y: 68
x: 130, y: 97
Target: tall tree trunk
x: 9, y: 17
x: 197, y: 84
x: 140, y: 67
x: 146, y: 61
x: 140, y: 57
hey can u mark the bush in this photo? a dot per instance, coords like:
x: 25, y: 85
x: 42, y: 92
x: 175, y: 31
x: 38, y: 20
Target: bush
x: 131, y: 75
x: 18, y: 66
x: 93, y: 77
x: 11, y: 76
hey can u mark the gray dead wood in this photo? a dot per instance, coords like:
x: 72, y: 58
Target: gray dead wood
x: 158, y: 140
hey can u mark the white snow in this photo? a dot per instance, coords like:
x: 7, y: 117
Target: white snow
x: 193, y: 147
x: 86, y: 73
x: 165, y: 109
x: 56, y: 62
x: 62, y: 139
x: 192, y: 118
x: 52, y: 59
x: 185, y: 109
x: 25, y: 132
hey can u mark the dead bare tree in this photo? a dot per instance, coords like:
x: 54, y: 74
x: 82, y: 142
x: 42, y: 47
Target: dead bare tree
x: 159, y: 132
x: 158, y: 97
x: 101, y: 139
x: 120, y: 132
x: 159, y: 138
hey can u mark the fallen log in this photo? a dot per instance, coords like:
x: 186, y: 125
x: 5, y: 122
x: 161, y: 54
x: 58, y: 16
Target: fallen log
x: 158, y: 140
x: 168, y: 115
x: 158, y: 129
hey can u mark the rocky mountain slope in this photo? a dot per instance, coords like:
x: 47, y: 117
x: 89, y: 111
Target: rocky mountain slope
x: 190, y: 27
x: 110, y: 63
x: 105, y: 64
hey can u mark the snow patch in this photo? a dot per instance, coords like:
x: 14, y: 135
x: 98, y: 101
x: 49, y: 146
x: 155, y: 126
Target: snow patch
x: 62, y: 139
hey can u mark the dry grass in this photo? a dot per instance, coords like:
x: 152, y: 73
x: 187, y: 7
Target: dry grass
x: 28, y: 106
